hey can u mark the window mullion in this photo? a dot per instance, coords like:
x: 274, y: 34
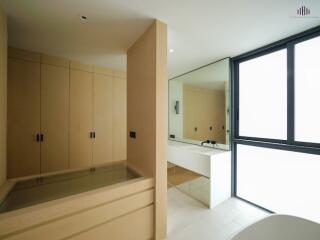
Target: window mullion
x: 290, y: 93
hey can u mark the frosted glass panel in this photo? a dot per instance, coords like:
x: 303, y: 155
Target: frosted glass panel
x: 307, y: 89
x: 263, y: 96
x: 281, y: 181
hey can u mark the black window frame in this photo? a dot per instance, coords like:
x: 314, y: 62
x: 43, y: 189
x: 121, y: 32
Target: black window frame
x: 236, y: 72
x: 289, y: 144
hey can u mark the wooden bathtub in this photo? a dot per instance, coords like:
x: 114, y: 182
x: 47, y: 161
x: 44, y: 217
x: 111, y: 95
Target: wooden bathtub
x: 123, y: 210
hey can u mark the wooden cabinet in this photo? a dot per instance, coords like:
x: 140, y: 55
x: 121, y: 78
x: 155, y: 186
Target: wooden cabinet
x: 54, y: 118
x: 65, y: 102
x: 102, y: 105
x: 23, y: 118
x: 119, y: 116
x: 81, y: 118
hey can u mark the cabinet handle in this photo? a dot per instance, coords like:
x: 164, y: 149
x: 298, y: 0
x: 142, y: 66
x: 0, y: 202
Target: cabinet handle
x: 92, y: 134
x: 41, y: 137
x: 38, y: 137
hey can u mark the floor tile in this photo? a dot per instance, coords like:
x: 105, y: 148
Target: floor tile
x: 190, y: 219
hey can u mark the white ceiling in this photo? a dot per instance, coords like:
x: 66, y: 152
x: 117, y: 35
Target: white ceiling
x: 200, y: 31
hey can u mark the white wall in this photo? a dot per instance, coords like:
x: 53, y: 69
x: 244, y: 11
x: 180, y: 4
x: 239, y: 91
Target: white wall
x: 176, y: 120
x: 3, y: 97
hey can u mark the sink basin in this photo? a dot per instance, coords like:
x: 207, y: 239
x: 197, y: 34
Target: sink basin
x: 199, y: 149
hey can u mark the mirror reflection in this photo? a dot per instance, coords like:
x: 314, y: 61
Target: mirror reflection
x: 199, y: 106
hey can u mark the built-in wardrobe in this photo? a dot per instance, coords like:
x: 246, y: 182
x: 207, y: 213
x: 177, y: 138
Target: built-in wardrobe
x: 62, y: 114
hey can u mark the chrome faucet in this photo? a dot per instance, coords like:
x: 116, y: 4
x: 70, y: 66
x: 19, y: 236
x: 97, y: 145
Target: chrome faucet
x: 209, y: 142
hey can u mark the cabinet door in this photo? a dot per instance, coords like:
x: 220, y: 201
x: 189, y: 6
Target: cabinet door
x: 23, y: 118
x: 102, y: 95
x: 119, y: 133
x: 54, y: 117
x: 80, y: 118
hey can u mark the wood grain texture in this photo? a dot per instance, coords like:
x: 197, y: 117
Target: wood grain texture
x: 23, y: 118
x: 203, y: 108
x: 103, y: 70
x: 54, y: 118
x: 87, y: 219
x: 56, y: 61
x: 147, y: 113
x: 141, y: 102
x: 119, y: 119
x: 25, y: 218
x: 133, y: 226
x: 112, y: 142
x: 119, y: 74
x: 103, y: 107
x: 81, y: 66
x: 161, y: 132
x: 3, y: 97
x: 23, y: 54
x: 81, y: 118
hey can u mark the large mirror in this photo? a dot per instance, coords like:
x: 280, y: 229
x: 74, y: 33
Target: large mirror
x: 199, y: 106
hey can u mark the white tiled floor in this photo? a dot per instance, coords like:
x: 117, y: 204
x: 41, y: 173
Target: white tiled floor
x: 189, y: 219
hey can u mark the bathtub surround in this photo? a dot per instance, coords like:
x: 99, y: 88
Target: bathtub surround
x: 120, y: 211
x: 147, y: 114
x: 3, y: 97
x: 39, y: 190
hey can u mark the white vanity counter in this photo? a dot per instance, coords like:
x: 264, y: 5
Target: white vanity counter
x: 193, y: 157
x: 212, y: 163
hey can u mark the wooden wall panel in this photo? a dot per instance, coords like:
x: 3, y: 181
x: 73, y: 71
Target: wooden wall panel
x: 119, y: 115
x: 203, y: 108
x: 81, y: 118
x: 54, y: 118
x: 23, y: 55
x: 3, y: 97
x: 88, y: 219
x: 56, y: 61
x: 134, y: 226
x: 161, y: 132
x: 110, y: 119
x: 23, y: 118
x: 103, y: 105
x: 147, y: 113
x: 103, y: 70
x: 141, y: 103
x: 81, y: 66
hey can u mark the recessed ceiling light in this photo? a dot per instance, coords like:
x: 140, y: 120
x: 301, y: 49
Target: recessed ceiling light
x: 83, y: 18
x: 171, y: 50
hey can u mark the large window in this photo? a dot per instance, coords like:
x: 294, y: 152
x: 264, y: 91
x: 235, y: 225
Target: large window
x: 307, y: 91
x: 282, y: 181
x: 276, y: 126
x: 263, y: 96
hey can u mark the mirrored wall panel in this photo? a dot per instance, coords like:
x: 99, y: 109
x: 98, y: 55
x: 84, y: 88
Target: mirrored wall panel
x: 199, y: 105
